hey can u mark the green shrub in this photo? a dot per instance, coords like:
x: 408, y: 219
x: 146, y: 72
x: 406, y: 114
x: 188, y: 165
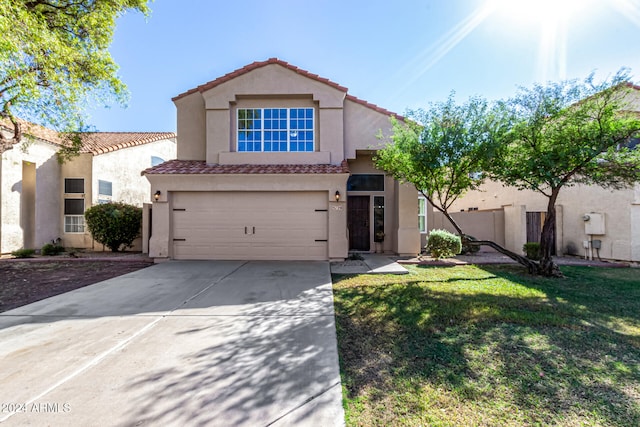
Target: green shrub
x: 23, y: 253
x: 468, y: 248
x: 442, y: 244
x: 49, y: 249
x: 532, y: 250
x: 114, y: 224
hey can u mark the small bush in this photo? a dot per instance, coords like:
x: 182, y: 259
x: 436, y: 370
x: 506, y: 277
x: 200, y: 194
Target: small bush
x: 49, y: 249
x: 23, y: 253
x: 442, y: 244
x: 114, y: 224
x: 532, y: 250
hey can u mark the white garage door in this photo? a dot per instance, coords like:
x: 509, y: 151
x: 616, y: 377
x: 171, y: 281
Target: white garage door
x: 250, y: 225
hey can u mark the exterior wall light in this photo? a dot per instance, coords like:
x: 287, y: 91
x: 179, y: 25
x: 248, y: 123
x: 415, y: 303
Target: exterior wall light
x: 337, y: 196
x: 156, y: 195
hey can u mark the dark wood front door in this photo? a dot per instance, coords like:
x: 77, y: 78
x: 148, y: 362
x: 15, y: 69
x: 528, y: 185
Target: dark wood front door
x: 358, y: 223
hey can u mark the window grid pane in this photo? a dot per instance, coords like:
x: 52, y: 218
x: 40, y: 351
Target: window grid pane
x: 275, y: 129
x: 74, y: 224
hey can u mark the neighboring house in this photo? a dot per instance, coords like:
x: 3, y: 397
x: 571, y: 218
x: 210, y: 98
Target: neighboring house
x: 590, y: 221
x: 42, y: 200
x: 274, y: 162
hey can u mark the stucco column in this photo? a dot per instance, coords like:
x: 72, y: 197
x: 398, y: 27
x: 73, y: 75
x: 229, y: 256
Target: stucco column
x: 338, y: 241
x: 160, y: 238
x: 515, y: 227
x: 407, y: 232
x: 338, y: 237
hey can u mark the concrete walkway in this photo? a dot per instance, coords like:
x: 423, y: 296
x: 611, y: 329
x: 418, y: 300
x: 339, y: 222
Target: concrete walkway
x: 178, y: 344
x: 370, y: 264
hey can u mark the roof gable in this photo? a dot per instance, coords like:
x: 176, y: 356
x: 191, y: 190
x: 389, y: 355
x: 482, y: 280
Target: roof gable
x: 253, y: 66
x: 260, y: 64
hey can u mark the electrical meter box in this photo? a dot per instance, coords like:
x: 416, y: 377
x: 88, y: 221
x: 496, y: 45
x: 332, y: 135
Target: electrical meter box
x: 593, y: 223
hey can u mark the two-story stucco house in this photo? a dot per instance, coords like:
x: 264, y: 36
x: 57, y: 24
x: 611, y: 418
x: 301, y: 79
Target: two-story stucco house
x: 274, y: 162
x: 42, y: 200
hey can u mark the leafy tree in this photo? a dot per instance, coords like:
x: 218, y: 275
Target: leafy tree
x: 442, y: 151
x: 53, y: 56
x: 114, y: 224
x: 568, y: 133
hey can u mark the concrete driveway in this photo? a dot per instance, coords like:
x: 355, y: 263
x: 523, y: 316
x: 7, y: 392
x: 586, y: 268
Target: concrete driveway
x: 179, y: 343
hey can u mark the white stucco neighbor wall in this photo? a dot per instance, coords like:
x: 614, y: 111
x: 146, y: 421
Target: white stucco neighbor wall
x: 47, y: 202
x: 123, y: 169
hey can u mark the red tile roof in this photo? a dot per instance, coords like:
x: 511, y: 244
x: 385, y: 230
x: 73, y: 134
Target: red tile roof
x: 33, y: 130
x: 259, y: 64
x: 92, y: 142
x: 375, y: 107
x: 105, y: 142
x: 200, y: 167
x: 253, y: 66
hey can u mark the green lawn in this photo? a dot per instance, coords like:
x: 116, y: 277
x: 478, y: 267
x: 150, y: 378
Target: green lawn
x: 490, y: 346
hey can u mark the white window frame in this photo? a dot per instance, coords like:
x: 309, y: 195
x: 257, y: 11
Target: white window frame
x: 422, y: 213
x: 289, y: 131
x: 74, y: 224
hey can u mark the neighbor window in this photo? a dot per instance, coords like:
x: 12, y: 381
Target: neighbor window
x: 422, y: 214
x: 105, y: 188
x: 275, y: 129
x: 74, y: 215
x: 73, y: 185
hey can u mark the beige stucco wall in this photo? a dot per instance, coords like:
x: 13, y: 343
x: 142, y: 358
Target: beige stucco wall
x: 190, y: 125
x: 622, y: 235
x: 47, y: 204
x: 483, y: 225
x: 362, y: 127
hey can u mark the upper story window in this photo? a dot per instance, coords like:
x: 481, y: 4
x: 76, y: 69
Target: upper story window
x: 276, y: 129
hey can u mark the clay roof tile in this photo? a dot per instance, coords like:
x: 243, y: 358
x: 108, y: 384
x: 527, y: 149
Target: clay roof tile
x: 200, y: 167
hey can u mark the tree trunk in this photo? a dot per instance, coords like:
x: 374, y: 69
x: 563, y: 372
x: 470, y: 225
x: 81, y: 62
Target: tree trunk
x: 547, y: 266
x: 533, y: 267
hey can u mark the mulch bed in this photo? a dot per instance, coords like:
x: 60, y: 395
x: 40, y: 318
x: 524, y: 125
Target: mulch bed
x: 25, y: 281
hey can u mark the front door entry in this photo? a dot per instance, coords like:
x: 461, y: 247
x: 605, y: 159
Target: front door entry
x: 358, y: 223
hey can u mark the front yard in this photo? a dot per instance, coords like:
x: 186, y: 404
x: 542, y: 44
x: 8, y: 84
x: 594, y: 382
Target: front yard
x: 471, y: 346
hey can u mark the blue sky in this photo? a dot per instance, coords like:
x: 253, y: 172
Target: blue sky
x: 398, y: 55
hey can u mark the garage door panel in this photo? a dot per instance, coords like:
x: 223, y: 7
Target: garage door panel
x: 250, y: 225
